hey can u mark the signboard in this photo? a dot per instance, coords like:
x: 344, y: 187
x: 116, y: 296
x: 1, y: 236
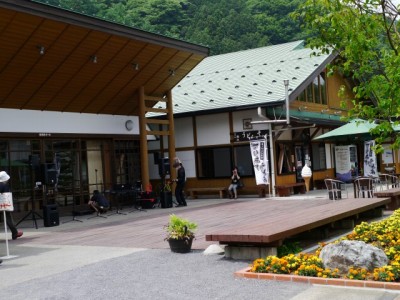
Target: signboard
x: 370, y: 167
x: 6, y: 202
x: 260, y: 161
x: 345, y: 162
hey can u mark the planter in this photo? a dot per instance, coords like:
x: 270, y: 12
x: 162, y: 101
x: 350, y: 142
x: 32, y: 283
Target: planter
x: 180, y: 245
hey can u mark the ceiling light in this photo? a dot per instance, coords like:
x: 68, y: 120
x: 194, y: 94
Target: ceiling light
x: 135, y: 66
x: 171, y: 72
x: 41, y: 49
x: 93, y: 58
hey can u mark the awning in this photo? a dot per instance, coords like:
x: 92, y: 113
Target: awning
x: 355, y: 130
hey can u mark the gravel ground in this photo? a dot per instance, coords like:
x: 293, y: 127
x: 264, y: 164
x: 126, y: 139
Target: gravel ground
x: 154, y: 274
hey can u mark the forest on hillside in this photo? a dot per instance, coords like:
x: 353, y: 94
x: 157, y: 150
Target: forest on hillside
x: 223, y: 25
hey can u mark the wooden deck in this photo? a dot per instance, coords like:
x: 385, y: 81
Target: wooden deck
x: 235, y: 217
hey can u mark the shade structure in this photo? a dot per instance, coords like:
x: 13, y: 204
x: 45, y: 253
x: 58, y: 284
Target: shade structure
x: 355, y: 130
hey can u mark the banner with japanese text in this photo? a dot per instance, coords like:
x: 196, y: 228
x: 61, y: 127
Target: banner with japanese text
x: 259, y: 157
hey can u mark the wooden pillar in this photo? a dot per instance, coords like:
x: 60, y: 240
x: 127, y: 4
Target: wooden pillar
x: 171, y: 135
x: 144, y: 160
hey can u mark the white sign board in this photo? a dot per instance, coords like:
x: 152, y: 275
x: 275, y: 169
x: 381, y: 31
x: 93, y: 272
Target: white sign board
x: 6, y: 202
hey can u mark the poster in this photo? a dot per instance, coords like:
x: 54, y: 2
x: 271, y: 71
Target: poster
x: 346, y: 162
x: 259, y: 157
x: 370, y: 167
x: 6, y: 202
x: 387, y: 155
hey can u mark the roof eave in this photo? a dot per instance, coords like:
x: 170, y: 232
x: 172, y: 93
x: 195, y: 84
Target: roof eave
x: 66, y: 16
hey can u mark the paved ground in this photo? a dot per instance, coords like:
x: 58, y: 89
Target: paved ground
x: 53, y: 271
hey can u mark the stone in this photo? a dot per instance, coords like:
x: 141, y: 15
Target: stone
x: 214, y: 249
x: 357, y: 254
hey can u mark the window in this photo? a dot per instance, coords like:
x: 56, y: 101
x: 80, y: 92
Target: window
x: 318, y: 157
x: 243, y: 161
x: 315, y: 92
x: 214, y: 162
x: 285, y: 156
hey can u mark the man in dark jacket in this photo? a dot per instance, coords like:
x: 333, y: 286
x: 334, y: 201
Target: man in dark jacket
x: 5, y: 188
x: 180, y: 182
x: 99, y: 202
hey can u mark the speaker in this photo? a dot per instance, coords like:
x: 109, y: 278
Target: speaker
x: 156, y: 156
x: 163, y: 167
x: 49, y: 174
x: 50, y: 215
x: 166, y: 199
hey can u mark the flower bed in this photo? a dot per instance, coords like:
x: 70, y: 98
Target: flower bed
x: 383, y: 234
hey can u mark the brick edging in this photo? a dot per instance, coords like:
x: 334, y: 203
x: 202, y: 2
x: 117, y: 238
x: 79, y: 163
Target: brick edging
x: 245, y: 273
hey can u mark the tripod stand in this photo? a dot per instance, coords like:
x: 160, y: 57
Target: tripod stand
x: 32, y: 213
x: 73, y: 200
x: 73, y: 212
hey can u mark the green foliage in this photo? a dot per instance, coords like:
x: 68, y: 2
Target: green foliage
x: 180, y: 228
x: 366, y: 39
x: 224, y: 25
x: 289, y: 248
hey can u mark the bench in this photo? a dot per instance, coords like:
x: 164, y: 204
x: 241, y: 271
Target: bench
x: 194, y: 191
x: 393, y: 194
x: 261, y: 190
x: 284, y: 190
x: 260, y: 235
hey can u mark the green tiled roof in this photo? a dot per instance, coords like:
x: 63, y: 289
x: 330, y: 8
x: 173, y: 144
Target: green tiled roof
x: 246, y: 78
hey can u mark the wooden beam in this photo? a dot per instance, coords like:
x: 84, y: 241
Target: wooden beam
x: 159, y: 110
x: 158, y: 132
x: 171, y: 138
x: 152, y: 98
x: 144, y: 161
x: 157, y: 121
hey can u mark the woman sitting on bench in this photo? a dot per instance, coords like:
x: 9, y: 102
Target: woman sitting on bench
x: 234, y: 183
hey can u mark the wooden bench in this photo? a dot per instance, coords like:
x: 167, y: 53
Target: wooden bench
x: 259, y: 237
x: 393, y: 194
x: 194, y: 191
x: 261, y: 190
x: 287, y: 189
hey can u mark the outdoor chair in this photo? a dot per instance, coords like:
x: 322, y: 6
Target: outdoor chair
x: 364, y: 187
x: 336, y: 189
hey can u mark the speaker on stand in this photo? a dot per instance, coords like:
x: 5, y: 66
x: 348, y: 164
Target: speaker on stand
x: 34, y: 163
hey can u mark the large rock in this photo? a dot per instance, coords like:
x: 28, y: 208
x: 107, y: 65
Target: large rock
x: 346, y: 254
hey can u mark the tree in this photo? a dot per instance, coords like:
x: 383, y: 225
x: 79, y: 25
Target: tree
x: 365, y: 36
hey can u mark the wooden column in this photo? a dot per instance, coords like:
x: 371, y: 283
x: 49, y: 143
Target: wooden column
x: 144, y: 161
x: 171, y: 133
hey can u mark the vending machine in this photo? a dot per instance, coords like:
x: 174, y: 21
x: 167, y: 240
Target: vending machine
x: 346, y: 163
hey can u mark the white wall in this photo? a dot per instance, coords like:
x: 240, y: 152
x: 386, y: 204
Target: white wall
x: 213, y: 129
x: 239, y: 116
x: 188, y: 161
x: 183, y: 132
x: 32, y: 121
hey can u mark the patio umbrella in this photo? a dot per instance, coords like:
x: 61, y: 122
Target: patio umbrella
x: 355, y: 130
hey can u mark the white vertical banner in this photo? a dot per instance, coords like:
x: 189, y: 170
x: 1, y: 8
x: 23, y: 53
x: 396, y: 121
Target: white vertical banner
x: 370, y: 167
x: 259, y: 156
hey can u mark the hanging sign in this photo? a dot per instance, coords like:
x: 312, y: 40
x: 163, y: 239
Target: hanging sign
x: 259, y: 156
x: 370, y: 166
x: 6, y: 202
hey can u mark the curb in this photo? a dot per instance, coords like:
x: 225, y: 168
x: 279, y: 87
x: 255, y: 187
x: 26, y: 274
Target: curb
x: 245, y: 273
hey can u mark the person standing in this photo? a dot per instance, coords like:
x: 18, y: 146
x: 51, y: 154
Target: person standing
x: 234, y: 183
x: 180, y: 182
x: 5, y: 188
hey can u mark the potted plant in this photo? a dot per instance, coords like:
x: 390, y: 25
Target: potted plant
x: 180, y: 234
